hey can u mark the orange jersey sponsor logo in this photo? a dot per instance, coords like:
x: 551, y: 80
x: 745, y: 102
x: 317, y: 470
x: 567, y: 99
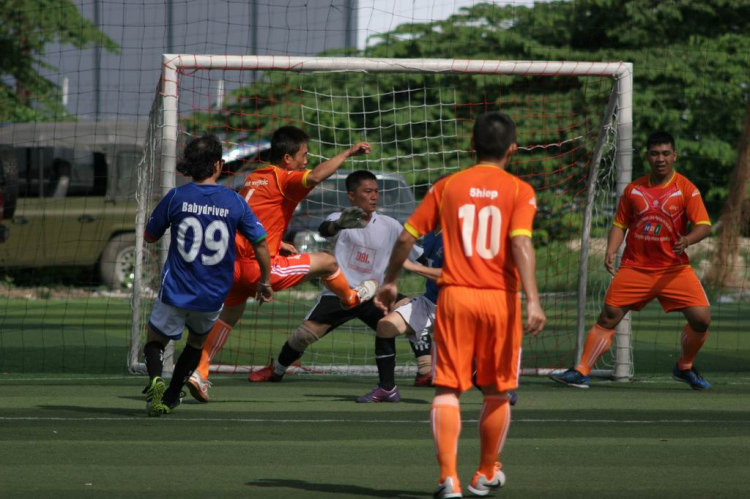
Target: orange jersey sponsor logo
x: 655, y: 217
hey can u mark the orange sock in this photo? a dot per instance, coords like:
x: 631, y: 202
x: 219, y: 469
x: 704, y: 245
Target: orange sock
x: 338, y: 285
x: 493, y: 428
x: 692, y: 341
x: 598, y: 341
x: 445, y: 420
x: 214, y: 343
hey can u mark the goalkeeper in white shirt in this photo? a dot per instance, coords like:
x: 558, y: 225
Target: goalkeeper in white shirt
x: 363, y: 243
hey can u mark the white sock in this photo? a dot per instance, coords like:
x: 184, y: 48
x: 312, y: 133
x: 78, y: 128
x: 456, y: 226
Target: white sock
x: 278, y: 369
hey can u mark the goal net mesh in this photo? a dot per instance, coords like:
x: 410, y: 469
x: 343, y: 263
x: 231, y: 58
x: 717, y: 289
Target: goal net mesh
x: 419, y: 126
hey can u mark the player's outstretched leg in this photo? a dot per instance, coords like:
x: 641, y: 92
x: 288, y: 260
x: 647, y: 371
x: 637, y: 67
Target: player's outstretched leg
x: 597, y: 343
x: 198, y: 383
x: 308, y: 333
x: 324, y: 266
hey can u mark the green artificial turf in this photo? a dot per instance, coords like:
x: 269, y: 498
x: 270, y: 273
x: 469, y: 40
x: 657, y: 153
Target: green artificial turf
x: 88, y: 436
x: 91, y: 336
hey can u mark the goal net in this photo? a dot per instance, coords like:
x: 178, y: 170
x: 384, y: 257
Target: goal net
x: 574, y: 136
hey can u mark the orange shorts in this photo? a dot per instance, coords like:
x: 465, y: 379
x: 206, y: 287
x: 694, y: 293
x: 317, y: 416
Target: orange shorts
x: 286, y: 272
x: 482, y: 325
x: 675, y: 288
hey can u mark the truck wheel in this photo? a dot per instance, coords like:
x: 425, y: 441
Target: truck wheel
x: 117, y: 264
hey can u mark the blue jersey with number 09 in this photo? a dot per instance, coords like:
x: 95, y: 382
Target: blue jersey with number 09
x: 200, y: 264
x: 433, y: 254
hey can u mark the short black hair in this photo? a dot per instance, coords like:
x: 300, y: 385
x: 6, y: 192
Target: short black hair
x: 355, y: 178
x: 200, y: 156
x: 286, y: 140
x: 493, y: 135
x: 658, y: 138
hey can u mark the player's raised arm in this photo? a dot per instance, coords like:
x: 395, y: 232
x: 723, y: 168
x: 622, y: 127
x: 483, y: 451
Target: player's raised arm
x: 525, y: 258
x: 328, y: 168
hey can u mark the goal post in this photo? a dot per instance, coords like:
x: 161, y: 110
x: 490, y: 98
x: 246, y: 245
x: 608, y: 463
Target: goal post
x: 575, y: 138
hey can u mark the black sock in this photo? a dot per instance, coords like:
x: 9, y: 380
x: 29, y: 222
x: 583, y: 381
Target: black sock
x: 186, y: 364
x: 421, y: 347
x: 288, y: 355
x: 154, y: 355
x: 385, y: 358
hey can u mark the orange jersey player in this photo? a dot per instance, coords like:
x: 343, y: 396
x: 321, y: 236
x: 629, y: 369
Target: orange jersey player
x: 654, y: 211
x: 273, y: 193
x: 486, y: 215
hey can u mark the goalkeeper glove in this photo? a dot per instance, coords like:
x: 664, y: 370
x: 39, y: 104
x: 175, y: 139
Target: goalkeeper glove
x: 351, y: 218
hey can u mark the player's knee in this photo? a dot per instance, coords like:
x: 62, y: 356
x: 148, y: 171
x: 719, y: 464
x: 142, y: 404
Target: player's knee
x: 152, y: 335
x: 700, y: 324
x: 325, y: 264
x: 386, y: 328
x: 196, y: 341
x: 610, y: 317
x: 302, y: 338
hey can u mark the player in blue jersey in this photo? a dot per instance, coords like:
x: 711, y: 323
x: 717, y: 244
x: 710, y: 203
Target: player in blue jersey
x: 415, y: 319
x: 197, y: 276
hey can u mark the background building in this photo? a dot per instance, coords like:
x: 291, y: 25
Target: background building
x: 101, y: 85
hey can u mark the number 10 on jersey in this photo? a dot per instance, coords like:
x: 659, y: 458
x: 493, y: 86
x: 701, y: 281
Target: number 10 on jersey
x: 487, y: 223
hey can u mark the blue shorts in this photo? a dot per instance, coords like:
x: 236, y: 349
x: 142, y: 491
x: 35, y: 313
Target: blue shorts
x: 169, y: 321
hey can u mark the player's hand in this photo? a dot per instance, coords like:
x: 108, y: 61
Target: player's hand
x: 681, y: 245
x: 609, y: 263
x: 352, y: 218
x: 263, y: 293
x: 360, y: 148
x: 535, y: 319
x: 288, y: 248
x: 386, y: 297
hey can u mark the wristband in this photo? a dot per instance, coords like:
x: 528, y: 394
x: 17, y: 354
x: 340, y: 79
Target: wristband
x: 265, y: 284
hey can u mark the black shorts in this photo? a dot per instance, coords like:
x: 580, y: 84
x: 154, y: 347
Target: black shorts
x: 329, y: 311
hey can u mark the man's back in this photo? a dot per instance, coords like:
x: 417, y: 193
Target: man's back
x: 199, y: 267
x: 480, y: 209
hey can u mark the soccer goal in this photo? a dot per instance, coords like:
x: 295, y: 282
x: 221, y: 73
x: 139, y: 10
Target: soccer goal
x: 575, y: 147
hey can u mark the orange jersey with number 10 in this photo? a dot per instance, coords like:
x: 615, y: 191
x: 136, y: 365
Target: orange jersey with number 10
x: 479, y: 210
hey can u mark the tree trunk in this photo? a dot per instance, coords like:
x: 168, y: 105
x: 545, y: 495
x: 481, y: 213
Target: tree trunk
x: 725, y: 272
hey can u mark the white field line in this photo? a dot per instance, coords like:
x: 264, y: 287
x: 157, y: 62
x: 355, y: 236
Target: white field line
x: 383, y: 421
x: 650, y: 380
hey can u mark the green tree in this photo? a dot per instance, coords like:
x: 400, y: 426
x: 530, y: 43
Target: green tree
x: 26, y: 27
x: 691, y: 78
x: 691, y: 63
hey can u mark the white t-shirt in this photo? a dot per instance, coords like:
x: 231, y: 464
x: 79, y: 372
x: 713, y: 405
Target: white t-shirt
x: 363, y: 254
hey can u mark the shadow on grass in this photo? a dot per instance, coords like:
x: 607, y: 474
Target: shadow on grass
x: 332, y: 488
x: 97, y: 411
x: 353, y: 398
